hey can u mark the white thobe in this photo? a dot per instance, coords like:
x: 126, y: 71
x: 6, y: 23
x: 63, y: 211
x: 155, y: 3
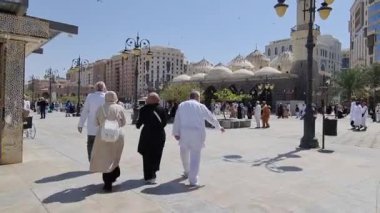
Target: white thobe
x: 364, y: 116
x: 258, y: 115
x: 91, y: 105
x: 357, y: 115
x: 353, y: 104
x: 189, y: 125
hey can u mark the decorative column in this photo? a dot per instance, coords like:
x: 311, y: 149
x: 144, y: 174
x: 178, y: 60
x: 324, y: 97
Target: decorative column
x: 19, y: 36
x: 12, y: 68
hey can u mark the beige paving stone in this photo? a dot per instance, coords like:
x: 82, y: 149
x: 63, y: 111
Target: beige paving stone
x: 244, y: 170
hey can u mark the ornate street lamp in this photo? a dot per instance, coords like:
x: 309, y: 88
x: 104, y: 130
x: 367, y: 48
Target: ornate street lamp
x: 134, y: 47
x: 265, y: 88
x: 308, y: 140
x: 79, y: 63
x: 50, y: 74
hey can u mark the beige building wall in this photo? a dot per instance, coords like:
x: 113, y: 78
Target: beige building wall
x: 117, y: 76
x: 327, y: 52
x: 86, y: 76
x: 358, y: 32
x: 99, y: 71
x: 165, y: 64
x: 275, y: 48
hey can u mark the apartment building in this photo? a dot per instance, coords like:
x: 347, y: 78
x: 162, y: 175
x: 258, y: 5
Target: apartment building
x: 327, y: 52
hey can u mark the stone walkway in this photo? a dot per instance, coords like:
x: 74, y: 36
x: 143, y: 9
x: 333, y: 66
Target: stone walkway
x: 244, y: 170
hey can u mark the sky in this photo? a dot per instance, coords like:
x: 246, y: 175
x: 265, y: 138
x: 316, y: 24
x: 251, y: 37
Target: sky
x: 217, y: 30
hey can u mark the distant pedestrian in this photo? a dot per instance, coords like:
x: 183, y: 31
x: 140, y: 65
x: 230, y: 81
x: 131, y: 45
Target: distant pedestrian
x: 106, y: 154
x: 266, y: 115
x: 377, y: 110
x: 364, y: 115
x: 352, y: 117
x: 249, y: 111
x: 258, y: 114
x: 239, y: 111
x: 189, y: 129
x: 357, y: 112
x: 91, y: 105
x: 297, y: 111
x: 152, y: 137
x: 42, y: 104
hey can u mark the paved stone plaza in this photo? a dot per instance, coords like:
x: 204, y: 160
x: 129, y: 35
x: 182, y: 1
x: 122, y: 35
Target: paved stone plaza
x: 244, y: 170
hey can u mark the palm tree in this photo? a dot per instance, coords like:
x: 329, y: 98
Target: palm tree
x: 351, y: 81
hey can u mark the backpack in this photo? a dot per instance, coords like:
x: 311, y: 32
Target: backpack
x: 110, y: 130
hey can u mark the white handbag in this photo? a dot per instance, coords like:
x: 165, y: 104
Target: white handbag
x: 110, y: 130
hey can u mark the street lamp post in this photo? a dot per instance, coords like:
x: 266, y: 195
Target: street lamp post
x: 79, y: 64
x: 50, y: 73
x: 266, y: 87
x: 308, y: 140
x: 134, y: 47
x: 324, y: 87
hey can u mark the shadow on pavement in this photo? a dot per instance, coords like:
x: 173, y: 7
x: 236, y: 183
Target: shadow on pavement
x: 171, y: 187
x: 128, y: 185
x: 270, y: 163
x: 63, y: 176
x: 74, y: 195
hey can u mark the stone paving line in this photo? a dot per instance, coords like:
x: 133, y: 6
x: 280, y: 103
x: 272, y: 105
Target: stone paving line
x: 244, y: 170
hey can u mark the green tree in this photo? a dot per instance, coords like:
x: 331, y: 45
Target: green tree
x: 372, y: 78
x: 179, y: 91
x: 351, y: 81
x: 226, y: 95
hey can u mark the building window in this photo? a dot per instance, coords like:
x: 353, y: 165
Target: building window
x: 282, y: 49
x: 275, y: 51
x: 290, y: 48
x: 268, y: 52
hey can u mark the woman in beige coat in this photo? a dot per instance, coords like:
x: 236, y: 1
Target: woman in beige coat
x: 106, y: 155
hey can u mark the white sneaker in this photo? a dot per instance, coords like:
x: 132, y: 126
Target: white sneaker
x: 151, y: 181
x: 196, y: 186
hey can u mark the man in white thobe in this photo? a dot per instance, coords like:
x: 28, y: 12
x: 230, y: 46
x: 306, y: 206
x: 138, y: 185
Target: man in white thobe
x: 258, y: 114
x: 189, y: 129
x: 357, y: 116
x: 91, y: 105
x: 352, y: 119
x: 364, y: 115
x: 377, y: 111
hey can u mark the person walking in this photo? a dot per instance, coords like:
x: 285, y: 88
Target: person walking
x: 297, y: 111
x: 352, y: 116
x: 258, y: 114
x: 364, y: 115
x: 152, y: 138
x: 42, y: 104
x: 189, y: 129
x: 249, y: 111
x: 91, y: 105
x: 106, y: 154
x: 377, y: 111
x: 357, y: 116
x: 266, y: 115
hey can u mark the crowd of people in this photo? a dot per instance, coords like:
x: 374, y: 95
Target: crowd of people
x: 105, y: 117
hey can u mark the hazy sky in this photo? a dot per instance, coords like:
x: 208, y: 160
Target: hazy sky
x: 217, y: 30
